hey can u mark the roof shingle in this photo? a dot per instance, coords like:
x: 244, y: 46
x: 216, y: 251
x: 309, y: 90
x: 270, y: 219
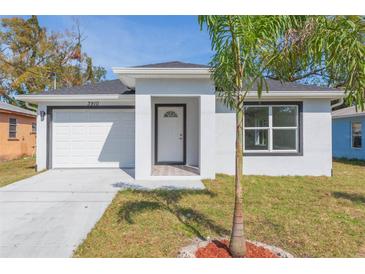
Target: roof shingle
x: 347, y: 112
x: 275, y: 85
x: 105, y: 87
x: 13, y: 108
x: 117, y: 87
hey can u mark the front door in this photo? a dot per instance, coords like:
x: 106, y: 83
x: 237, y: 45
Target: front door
x: 170, y: 134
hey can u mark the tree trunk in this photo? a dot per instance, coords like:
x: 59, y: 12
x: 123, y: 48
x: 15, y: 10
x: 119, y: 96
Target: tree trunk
x: 237, y: 245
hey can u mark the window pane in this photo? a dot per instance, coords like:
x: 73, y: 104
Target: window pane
x: 284, y: 139
x: 12, y: 121
x: 12, y: 128
x: 284, y: 116
x: 12, y: 134
x: 356, y: 135
x: 256, y: 139
x: 170, y: 114
x: 257, y: 117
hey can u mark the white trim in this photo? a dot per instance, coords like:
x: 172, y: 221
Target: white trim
x: 270, y: 133
x: 164, y: 71
x: 129, y: 75
x: 252, y: 95
x: 360, y: 114
x: 37, y: 98
x: 352, y: 143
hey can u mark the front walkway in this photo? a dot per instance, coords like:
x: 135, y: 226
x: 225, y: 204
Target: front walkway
x: 48, y: 215
x: 174, y: 170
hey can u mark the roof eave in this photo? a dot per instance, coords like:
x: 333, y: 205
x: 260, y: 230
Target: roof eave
x: 128, y: 76
x: 41, y: 98
x: 18, y: 112
x: 361, y: 114
x: 280, y: 95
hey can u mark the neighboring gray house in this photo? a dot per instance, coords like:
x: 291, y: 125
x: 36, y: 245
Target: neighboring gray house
x: 348, y: 140
x: 165, y: 122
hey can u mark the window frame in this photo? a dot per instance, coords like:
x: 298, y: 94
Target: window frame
x: 34, y: 128
x: 270, y: 151
x: 12, y: 124
x: 352, y: 134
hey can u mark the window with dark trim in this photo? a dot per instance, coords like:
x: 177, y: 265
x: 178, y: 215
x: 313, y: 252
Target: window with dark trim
x: 12, y: 128
x: 356, y: 135
x: 272, y: 129
x: 34, y: 127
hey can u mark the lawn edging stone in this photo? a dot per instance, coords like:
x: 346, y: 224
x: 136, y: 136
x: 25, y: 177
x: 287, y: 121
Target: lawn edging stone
x: 190, y: 250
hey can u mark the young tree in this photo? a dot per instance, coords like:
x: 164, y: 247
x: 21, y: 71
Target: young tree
x: 30, y: 56
x: 248, y: 49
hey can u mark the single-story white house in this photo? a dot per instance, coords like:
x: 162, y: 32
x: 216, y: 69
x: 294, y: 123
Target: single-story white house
x: 165, y: 122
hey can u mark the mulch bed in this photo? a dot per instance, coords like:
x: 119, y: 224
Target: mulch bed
x: 219, y: 249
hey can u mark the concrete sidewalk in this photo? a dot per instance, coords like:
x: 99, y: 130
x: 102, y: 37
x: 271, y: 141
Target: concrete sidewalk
x: 50, y: 214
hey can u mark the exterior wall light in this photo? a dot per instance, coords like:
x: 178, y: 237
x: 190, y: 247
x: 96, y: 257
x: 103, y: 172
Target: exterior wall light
x: 42, y: 113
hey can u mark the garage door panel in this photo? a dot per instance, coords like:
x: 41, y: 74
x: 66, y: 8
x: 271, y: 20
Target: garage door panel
x: 79, y: 130
x: 62, y: 147
x: 93, y: 138
x: 62, y: 130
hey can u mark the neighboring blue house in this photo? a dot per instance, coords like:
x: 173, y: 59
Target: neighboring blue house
x: 348, y: 138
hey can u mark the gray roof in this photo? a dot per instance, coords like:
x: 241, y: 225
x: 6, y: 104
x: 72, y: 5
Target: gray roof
x: 117, y: 87
x: 172, y: 64
x: 347, y: 112
x: 105, y: 87
x: 275, y: 85
x: 12, y: 108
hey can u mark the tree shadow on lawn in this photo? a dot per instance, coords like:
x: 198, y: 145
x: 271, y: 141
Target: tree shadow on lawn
x: 168, y: 200
x: 353, y: 197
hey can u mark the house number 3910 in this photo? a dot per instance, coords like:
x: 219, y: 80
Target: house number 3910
x: 92, y: 104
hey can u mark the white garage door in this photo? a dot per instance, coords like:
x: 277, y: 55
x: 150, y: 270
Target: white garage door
x: 83, y: 138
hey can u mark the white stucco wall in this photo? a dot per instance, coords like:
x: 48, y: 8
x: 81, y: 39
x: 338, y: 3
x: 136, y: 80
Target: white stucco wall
x: 211, y: 127
x: 41, y: 153
x: 199, y: 95
x: 317, y: 152
x: 143, y: 135
x: 192, y: 125
x: 207, y: 137
x: 174, y: 86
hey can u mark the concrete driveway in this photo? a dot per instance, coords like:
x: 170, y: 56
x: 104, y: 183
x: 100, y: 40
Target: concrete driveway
x: 48, y: 215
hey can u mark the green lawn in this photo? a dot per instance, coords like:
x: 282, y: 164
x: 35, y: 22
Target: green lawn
x: 15, y: 170
x: 307, y: 216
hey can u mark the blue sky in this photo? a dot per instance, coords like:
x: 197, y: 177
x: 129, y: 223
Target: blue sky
x: 136, y: 40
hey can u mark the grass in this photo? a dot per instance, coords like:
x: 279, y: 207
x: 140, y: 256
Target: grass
x: 307, y: 216
x: 15, y: 170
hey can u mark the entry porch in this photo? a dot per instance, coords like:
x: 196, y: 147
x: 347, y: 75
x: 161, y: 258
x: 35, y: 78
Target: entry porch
x: 170, y: 142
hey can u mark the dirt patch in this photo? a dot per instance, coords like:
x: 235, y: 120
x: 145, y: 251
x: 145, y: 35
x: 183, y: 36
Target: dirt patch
x: 362, y: 252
